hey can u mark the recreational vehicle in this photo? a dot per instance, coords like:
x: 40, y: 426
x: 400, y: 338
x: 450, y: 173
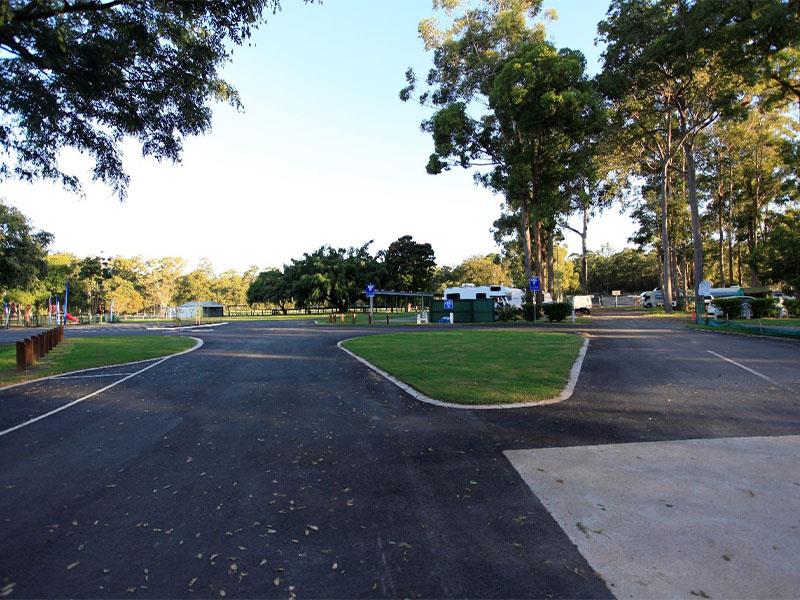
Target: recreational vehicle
x: 501, y: 294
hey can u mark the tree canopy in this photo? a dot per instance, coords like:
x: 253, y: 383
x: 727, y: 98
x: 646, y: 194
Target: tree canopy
x: 89, y: 73
x: 23, y: 251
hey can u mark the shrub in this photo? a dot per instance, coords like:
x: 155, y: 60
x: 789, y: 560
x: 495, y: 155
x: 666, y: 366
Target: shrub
x: 529, y: 309
x: 764, y: 307
x: 731, y: 307
x: 508, y: 313
x: 557, y: 311
x: 792, y: 307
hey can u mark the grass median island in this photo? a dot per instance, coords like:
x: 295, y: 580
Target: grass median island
x: 475, y: 367
x: 78, y: 353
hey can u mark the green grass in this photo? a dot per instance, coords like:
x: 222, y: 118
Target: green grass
x: 475, y: 367
x: 82, y: 353
x: 766, y: 328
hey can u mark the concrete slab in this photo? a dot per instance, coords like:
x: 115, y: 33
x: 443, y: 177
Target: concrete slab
x: 716, y: 518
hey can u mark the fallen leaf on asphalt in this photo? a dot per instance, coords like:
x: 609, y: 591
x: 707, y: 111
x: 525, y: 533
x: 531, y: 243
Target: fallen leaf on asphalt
x: 335, y: 566
x: 263, y: 562
x: 7, y: 589
x: 73, y: 565
x: 192, y: 581
x: 313, y: 527
x: 277, y: 581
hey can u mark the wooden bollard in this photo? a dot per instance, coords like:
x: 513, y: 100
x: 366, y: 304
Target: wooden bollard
x: 42, y: 349
x: 342, y: 316
x: 21, y: 356
x: 28, y: 352
x: 354, y: 318
x: 387, y: 318
x: 48, y: 340
x: 60, y: 333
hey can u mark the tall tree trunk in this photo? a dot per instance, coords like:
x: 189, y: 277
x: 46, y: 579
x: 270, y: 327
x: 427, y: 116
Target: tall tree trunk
x: 538, y: 267
x: 666, y: 276
x: 584, y: 261
x: 730, y: 228
x: 685, y: 283
x: 550, y: 265
x: 525, y: 236
x: 697, y: 240
x: 721, y: 212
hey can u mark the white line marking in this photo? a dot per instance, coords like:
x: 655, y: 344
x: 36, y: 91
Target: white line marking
x: 417, y: 395
x: 101, y: 390
x: 749, y: 370
x: 186, y: 327
x: 91, y: 376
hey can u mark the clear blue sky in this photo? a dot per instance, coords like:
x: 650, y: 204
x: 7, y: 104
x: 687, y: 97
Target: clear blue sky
x: 325, y: 153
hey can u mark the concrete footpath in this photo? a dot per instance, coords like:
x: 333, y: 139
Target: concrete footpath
x: 704, y: 518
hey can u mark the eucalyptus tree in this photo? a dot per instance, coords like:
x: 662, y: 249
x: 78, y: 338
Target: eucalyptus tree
x: 466, y: 57
x: 88, y: 73
x: 548, y: 112
x: 537, y: 109
x: 654, y: 56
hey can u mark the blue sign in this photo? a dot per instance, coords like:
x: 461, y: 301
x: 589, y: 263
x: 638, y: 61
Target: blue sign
x: 534, y: 284
x: 370, y: 291
x: 448, y: 305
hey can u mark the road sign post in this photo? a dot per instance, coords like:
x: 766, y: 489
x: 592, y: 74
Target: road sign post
x: 370, y: 292
x: 534, y: 285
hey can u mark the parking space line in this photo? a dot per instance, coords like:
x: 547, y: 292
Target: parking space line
x: 100, y: 391
x: 749, y: 370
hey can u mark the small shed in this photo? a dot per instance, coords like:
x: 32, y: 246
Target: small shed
x: 192, y: 310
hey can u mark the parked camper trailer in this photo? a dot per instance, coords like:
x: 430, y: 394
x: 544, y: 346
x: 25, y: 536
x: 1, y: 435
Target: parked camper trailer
x: 501, y: 294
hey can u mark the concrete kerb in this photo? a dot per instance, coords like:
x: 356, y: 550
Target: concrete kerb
x: 198, y: 344
x: 565, y: 394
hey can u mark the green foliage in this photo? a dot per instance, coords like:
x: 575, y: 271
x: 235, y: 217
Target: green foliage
x: 408, y: 265
x: 730, y: 307
x: 508, y: 312
x: 792, y: 307
x: 86, y: 75
x: 531, y: 311
x: 764, y: 307
x: 23, y: 251
x: 332, y: 277
x: 557, y: 311
x: 780, y: 252
x: 482, y: 270
x: 630, y: 270
x: 270, y: 287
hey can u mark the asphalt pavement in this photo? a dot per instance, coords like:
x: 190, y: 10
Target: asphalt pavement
x: 270, y: 464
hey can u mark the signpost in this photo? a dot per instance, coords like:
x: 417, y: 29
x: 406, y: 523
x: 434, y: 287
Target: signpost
x: 370, y: 292
x: 449, y: 305
x: 534, y: 285
x: 616, y: 294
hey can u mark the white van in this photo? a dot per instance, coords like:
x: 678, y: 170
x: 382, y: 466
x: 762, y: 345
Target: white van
x: 582, y: 304
x: 501, y: 294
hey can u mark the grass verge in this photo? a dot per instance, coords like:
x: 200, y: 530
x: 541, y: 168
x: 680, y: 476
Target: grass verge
x: 475, y: 367
x: 756, y: 327
x: 74, y: 354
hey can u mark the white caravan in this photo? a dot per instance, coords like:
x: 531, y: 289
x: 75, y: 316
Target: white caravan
x: 501, y: 294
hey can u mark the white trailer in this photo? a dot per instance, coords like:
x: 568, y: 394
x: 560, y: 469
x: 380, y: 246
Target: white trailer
x: 501, y: 294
